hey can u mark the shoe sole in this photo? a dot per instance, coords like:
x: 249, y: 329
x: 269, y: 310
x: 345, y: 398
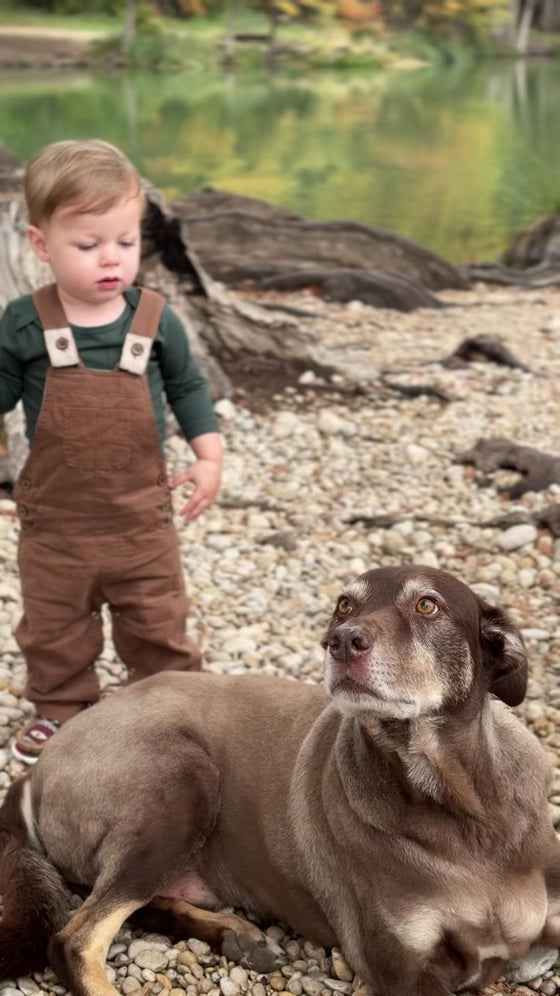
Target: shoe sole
x: 26, y: 758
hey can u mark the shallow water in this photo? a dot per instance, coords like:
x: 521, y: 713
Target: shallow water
x: 456, y: 159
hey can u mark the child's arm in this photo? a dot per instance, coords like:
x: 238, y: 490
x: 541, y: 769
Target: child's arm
x: 11, y: 367
x: 205, y: 474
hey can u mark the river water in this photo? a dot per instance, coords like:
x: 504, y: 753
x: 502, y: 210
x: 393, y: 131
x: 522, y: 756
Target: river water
x: 455, y: 158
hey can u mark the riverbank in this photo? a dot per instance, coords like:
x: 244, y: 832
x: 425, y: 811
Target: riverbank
x: 361, y: 40
x: 307, y: 464
x: 164, y: 44
x: 44, y: 47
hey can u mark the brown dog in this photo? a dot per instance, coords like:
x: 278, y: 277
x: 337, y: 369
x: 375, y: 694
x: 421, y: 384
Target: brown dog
x: 403, y: 814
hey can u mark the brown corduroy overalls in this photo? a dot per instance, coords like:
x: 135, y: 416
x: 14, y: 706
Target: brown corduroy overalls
x: 96, y: 523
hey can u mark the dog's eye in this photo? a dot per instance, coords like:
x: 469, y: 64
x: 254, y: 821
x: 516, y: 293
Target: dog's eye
x: 343, y: 606
x: 426, y: 606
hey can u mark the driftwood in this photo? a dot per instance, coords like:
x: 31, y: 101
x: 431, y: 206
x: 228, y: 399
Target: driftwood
x: 245, y: 242
x: 496, y: 273
x: 537, y: 245
x: 242, y: 239
x: 538, y: 470
x: 485, y: 346
x: 548, y: 517
x: 380, y: 290
x: 531, y: 260
x: 416, y: 390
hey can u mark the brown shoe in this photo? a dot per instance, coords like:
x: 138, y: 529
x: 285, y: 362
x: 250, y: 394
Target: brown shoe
x: 32, y: 737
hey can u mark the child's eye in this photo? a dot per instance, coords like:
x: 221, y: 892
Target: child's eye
x: 85, y: 247
x: 127, y: 243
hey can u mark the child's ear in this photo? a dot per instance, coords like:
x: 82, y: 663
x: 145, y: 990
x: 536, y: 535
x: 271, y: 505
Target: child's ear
x: 38, y: 243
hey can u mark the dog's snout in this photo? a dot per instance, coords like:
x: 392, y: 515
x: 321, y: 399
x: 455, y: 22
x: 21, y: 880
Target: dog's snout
x: 347, y: 642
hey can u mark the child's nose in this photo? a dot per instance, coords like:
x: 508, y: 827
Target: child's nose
x: 109, y: 254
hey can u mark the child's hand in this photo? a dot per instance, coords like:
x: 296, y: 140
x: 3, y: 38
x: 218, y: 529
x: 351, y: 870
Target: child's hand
x: 206, y: 475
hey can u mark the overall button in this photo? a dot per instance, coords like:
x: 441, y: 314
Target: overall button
x: 162, y: 479
x: 137, y: 349
x: 23, y: 510
x: 62, y: 343
x: 25, y: 483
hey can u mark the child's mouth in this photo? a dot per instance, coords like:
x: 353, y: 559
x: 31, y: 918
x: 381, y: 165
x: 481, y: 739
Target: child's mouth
x: 108, y: 283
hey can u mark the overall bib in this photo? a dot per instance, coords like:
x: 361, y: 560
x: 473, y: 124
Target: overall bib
x: 97, y: 523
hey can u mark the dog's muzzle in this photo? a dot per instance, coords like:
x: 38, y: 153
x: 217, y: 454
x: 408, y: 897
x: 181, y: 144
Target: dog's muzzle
x: 349, y: 644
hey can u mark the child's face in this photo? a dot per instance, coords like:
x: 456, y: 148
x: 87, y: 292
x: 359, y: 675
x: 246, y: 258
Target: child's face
x: 93, y: 257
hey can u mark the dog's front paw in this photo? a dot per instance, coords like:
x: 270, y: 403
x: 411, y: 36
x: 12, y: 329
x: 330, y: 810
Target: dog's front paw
x: 257, y: 953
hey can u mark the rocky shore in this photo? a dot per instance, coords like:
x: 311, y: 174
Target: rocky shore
x: 308, y: 463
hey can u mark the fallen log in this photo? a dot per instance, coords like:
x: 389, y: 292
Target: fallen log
x: 238, y: 237
x: 379, y: 290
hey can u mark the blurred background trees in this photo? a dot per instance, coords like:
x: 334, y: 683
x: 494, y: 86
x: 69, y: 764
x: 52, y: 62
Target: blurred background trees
x: 466, y: 20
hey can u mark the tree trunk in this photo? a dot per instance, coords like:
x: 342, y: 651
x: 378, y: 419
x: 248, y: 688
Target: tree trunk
x: 514, y: 17
x: 524, y: 26
x: 229, y: 43
x: 129, y: 31
x: 548, y: 20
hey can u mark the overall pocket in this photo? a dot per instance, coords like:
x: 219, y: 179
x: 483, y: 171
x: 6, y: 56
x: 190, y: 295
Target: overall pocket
x: 96, y: 437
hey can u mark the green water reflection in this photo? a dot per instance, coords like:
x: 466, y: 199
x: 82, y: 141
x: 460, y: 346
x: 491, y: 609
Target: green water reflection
x: 455, y: 159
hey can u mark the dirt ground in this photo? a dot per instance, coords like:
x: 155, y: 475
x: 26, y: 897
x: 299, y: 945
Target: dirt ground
x: 23, y: 47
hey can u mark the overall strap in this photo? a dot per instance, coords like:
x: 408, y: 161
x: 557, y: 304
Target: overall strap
x: 143, y: 330
x: 56, y: 331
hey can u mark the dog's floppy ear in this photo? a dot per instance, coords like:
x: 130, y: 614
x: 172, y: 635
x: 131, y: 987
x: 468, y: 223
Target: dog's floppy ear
x: 503, y: 654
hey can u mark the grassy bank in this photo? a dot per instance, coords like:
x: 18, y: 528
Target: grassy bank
x: 169, y: 43
x: 173, y: 43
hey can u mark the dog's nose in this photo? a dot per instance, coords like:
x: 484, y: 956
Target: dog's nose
x: 349, y: 642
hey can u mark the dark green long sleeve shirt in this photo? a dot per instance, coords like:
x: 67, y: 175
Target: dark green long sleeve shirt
x: 172, y: 371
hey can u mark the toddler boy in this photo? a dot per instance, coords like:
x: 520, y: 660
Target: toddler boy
x: 91, y: 357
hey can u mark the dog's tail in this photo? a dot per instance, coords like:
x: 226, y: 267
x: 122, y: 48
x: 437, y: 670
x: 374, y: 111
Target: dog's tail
x: 35, y: 898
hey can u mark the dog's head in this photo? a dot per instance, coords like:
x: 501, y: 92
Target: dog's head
x: 414, y: 641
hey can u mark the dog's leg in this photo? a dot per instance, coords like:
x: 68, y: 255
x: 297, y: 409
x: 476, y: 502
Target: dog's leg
x: 78, y: 952
x: 430, y: 984
x: 140, y: 852
x: 551, y: 930
x: 233, y: 936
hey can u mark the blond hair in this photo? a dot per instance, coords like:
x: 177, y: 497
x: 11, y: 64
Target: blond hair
x: 92, y: 174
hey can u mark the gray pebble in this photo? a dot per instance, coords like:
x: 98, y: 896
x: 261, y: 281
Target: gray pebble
x: 517, y: 536
x: 311, y: 986
x: 338, y: 986
x: 151, y: 960
x: 130, y: 985
x: 536, y: 963
x: 229, y: 987
x: 28, y: 986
